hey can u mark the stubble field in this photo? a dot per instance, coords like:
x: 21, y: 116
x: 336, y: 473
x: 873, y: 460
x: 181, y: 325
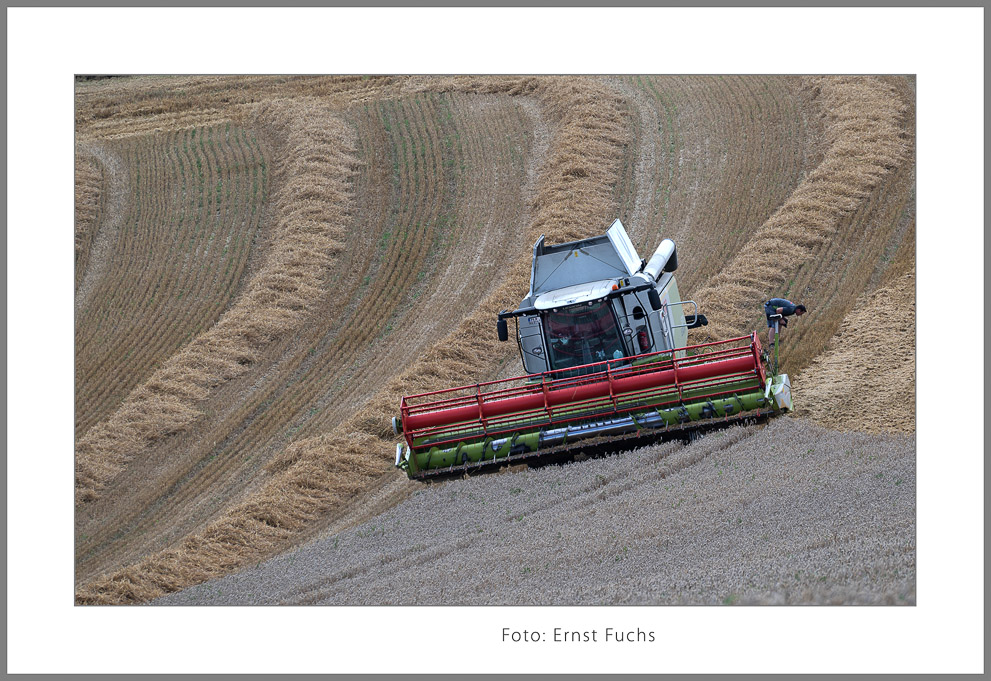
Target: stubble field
x: 265, y: 265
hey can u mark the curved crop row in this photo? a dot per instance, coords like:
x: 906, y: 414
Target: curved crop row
x: 432, y: 216
x: 316, y: 475
x: 854, y: 260
x: 140, y: 105
x: 89, y: 205
x: 865, y: 141
x: 313, y: 208
x: 878, y: 358
x: 301, y: 442
x: 729, y: 150
x: 192, y: 217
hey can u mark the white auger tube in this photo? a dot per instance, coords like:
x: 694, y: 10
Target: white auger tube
x: 665, y: 259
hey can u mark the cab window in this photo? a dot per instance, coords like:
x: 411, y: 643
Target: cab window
x: 583, y: 334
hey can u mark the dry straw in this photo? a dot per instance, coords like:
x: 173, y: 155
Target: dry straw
x: 89, y: 196
x: 864, y: 141
x: 313, y: 204
x: 316, y: 477
x: 140, y: 105
x: 867, y: 375
x: 313, y: 477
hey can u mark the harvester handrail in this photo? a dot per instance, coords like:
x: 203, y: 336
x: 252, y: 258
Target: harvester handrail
x: 677, y: 362
x: 475, y: 394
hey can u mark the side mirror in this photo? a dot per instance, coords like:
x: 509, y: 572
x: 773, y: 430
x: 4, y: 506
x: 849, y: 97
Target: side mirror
x: 655, y: 298
x: 503, y: 330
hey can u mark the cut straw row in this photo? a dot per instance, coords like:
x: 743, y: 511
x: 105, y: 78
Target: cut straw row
x: 864, y: 141
x: 318, y: 475
x: 313, y: 205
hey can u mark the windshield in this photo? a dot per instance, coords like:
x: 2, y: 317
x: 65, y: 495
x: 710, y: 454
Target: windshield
x: 582, y: 334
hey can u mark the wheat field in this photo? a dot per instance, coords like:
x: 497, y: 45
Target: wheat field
x: 265, y: 265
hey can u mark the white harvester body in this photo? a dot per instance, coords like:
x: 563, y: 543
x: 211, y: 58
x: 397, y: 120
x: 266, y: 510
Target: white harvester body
x: 595, y: 299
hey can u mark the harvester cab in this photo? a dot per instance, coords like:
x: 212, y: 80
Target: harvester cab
x: 595, y: 300
x: 603, y: 337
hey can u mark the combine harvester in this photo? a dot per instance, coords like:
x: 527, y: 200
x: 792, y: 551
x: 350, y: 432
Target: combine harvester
x: 604, y: 339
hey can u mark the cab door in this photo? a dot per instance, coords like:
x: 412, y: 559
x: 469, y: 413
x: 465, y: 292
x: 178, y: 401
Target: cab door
x: 532, y: 346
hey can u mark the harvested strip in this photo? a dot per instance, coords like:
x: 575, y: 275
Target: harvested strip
x: 728, y: 151
x: 313, y: 208
x: 864, y: 142
x: 89, y: 202
x: 317, y: 476
x: 115, y: 201
x: 854, y: 261
x: 125, y: 106
x: 140, y: 314
x: 304, y: 386
x: 269, y: 516
x: 787, y: 514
